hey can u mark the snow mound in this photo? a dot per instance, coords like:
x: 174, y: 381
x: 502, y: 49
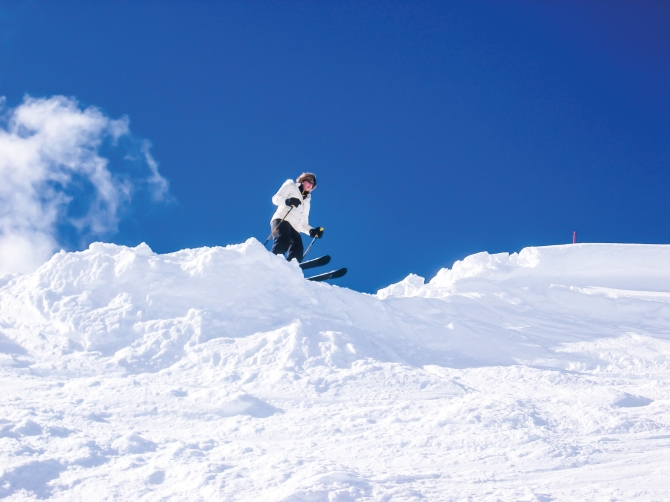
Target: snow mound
x: 147, y: 311
x: 618, y: 266
x: 220, y: 373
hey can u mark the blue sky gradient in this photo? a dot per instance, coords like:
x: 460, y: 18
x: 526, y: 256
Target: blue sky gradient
x: 436, y: 129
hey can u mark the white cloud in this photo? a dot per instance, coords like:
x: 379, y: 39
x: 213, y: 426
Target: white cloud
x: 53, y: 177
x: 158, y: 186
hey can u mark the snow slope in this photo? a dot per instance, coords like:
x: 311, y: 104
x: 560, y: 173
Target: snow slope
x: 221, y: 374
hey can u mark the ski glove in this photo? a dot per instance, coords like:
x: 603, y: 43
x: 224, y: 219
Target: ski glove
x: 316, y: 232
x: 293, y: 202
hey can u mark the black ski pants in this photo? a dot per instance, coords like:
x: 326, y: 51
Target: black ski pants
x: 287, y: 240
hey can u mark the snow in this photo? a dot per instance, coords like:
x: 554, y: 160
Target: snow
x: 221, y: 374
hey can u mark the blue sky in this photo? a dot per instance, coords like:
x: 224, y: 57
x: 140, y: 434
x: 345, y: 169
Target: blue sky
x: 436, y: 129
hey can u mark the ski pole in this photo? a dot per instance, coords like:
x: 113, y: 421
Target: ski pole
x: 275, y: 228
x: 308, y: 248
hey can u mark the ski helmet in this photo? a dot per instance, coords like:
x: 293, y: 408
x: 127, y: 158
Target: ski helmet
x: 307, y: 176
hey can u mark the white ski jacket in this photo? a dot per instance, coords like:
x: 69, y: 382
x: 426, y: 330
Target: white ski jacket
x: 299, y: 216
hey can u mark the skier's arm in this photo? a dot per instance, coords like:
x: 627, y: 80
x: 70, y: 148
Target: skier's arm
x: 306, y: 228
x: 279, y: 199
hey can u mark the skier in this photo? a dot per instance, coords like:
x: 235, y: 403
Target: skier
x: 292, y: 216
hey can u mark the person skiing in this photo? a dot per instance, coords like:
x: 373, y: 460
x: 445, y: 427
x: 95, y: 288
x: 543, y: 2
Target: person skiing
x: 292, y: 216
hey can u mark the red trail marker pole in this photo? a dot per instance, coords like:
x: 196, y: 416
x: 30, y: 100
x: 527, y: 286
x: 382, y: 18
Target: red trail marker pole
x: 574, y: 237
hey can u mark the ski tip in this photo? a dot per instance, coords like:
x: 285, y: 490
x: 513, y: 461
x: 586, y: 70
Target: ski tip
x: 316, y: 262
x: 328, y: 275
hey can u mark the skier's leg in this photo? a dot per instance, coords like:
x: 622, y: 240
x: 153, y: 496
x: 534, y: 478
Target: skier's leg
x: 295, y: 248
x: 281, y: 237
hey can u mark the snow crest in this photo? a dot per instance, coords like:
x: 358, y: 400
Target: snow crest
x: 625, y: 266
x: 220, y: 373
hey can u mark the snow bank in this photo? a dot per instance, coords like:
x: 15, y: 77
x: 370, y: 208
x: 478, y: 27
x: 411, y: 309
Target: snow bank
x: 618, y: 266
x: 220, y: 373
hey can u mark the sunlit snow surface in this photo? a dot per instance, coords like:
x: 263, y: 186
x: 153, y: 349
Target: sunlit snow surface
x: 221, y: 374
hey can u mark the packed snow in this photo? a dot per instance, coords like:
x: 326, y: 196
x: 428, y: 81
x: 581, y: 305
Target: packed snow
x: 222, y: 374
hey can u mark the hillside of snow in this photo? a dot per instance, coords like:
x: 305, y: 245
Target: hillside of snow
x: 221, y: 374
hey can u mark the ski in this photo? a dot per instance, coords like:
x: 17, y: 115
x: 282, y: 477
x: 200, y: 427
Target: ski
x: 328, y: 275
x: 316, y: 262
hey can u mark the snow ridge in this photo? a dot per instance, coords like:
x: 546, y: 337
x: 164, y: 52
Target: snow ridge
x: 220, y: 373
